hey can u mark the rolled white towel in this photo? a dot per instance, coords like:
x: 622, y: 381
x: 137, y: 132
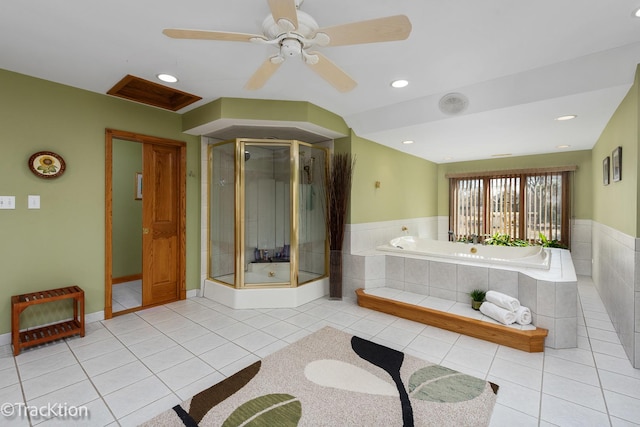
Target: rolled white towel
x: 497, y: 313
x: 502, y: 300
x: 523, y: 315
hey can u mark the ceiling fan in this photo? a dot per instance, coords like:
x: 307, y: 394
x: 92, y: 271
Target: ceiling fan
x: 294, y: 32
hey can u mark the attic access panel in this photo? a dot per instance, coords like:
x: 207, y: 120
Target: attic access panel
x: 136, y: 89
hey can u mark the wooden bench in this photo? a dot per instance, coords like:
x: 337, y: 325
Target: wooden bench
x: 31, y: 337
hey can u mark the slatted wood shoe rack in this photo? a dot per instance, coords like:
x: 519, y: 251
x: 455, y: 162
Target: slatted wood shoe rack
x: 31, y: 337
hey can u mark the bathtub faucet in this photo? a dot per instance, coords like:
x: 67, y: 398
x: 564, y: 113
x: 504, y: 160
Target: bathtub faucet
x: 474, y: 239
x: 452, y: 236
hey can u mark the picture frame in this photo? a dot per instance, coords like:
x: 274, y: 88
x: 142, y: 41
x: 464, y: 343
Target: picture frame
x: 616, y: 164
x: 46, y: 164
x: 605, y: 170
x: 138, y: 186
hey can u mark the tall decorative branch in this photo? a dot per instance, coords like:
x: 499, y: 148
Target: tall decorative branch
x: 338, y: 194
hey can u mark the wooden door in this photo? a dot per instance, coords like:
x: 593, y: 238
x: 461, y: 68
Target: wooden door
x: 163, y: 224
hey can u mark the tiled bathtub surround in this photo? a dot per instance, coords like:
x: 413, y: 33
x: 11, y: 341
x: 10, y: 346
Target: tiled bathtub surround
x: 551, y: 295
x: 616, y: 275
x: 581, y: 246
x: 365, y: 237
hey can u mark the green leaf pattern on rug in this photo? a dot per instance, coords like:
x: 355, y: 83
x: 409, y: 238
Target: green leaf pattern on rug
x: 439, y: 384
x: 266, y: 411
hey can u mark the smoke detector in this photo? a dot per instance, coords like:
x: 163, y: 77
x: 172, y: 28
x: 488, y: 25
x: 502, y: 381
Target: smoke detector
x: 453, y: 103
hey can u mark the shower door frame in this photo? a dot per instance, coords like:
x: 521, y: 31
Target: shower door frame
x: 239, y: 211
x: 241, y: 144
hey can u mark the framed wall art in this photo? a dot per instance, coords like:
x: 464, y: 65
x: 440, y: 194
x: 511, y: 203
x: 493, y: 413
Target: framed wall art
x: 616, y: 164
x: 46, y: 164
x: 605, y: 170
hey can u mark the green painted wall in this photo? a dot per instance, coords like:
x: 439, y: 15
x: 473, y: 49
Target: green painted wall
x: 408, y: 184
x: 260, y: 109
x: 63, y: 242
x: 582, y: 205
x: 127, y: 211
x: 616, y: 205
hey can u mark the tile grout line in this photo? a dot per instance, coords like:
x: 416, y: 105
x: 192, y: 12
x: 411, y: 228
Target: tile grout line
x: 91, y: 380
x: 595, y: 364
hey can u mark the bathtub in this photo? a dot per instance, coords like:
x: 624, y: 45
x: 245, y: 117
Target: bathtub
x: 527, y: 257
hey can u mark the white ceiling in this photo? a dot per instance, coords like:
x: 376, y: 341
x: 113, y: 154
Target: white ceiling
x: 521, y: 64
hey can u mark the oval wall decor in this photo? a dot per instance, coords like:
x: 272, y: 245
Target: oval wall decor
x: 46, y: 164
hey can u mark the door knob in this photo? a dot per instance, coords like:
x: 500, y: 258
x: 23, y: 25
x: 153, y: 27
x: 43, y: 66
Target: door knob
x: 145, y: 231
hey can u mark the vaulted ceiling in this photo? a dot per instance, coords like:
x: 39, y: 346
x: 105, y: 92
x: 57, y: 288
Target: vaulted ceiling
x: 519, y: 64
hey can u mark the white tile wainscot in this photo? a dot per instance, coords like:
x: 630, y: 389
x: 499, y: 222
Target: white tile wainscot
x: 552, y: 295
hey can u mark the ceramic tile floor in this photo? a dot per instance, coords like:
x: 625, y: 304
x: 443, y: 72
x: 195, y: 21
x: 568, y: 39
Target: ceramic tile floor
x: 128, y: 369
x: 126, y: 295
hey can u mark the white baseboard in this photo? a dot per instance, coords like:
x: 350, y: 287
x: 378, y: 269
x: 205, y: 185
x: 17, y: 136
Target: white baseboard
x: 91, y: 317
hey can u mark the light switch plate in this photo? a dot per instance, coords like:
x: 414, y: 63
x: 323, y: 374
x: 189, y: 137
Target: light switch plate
x: 33, y: 201
x: 7, y: 202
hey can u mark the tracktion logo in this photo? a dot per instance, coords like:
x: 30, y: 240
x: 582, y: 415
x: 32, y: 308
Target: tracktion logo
x: 50, y: 410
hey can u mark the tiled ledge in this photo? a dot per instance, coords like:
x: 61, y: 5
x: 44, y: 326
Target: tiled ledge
x: 551, y: 298
x: 527, y: 338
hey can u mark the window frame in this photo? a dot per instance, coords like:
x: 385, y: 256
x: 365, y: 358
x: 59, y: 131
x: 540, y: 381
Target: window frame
x: 523, y: 175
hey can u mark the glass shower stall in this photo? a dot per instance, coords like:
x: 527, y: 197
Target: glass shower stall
x: 266, y: 213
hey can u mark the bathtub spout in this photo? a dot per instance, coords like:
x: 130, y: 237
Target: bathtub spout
x: 474, y: 239
x: 452, y: 236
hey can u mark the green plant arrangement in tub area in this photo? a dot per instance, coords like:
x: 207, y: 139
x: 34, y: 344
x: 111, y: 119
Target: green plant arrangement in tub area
x: 502, y: 239
x: 477, y: 298
x: 550, y: 243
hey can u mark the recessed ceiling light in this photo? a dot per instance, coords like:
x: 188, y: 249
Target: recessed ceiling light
x: 563, y: 146
x: 408, y: 141
x: 636, y: 13
x: 568, y: 117
x: 448, y: 158
x: 167, y: 78
x: 399, y: 83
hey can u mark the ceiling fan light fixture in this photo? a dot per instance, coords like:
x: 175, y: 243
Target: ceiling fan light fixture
x: 290, y: 47
x: 167, y: 78
x: 399, y: 83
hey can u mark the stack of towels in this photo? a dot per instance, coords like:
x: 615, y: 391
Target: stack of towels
x: 505, y: 309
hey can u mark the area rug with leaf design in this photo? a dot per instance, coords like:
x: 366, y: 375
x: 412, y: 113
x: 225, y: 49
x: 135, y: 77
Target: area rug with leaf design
x: 331, y: 378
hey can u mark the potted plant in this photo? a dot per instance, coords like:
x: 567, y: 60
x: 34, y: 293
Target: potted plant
x: 477, y: 298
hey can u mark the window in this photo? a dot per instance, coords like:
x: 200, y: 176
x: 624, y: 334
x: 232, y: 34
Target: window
x: 521, y: 204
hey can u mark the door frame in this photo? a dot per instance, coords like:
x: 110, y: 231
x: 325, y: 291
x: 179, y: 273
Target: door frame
x: 110, y: 135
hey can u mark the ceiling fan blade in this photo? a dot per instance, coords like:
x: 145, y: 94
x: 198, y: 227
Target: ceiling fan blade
x: 331, y: 73
x: 386, y: 29
x: 209, y: 35
x: 284, y: 9
x: 262, y: 74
